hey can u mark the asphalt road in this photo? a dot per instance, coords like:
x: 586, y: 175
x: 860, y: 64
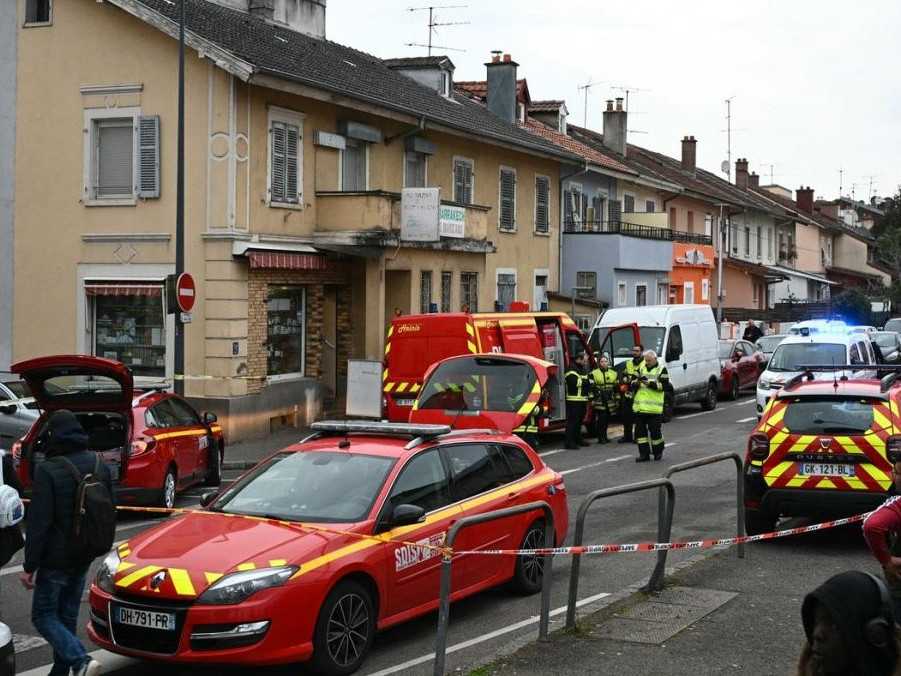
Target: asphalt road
x: 482, y: 625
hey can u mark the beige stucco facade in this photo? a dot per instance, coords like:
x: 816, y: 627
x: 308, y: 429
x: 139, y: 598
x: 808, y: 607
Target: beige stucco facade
x: 65, y: 239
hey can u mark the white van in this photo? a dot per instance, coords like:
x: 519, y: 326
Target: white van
x: 683, y: 336
x: 818, y: 348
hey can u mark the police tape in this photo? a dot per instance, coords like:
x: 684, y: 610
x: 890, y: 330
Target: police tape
x: 666, y: 546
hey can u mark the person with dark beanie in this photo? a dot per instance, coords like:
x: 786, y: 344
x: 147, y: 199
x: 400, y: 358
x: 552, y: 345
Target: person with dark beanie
x: 56, y: 572
x: 850, y: 628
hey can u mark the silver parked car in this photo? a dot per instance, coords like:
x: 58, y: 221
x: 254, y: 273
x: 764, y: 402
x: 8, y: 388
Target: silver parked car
x: 768, y: 345
x: 889, y: 344
x: 16, y: 417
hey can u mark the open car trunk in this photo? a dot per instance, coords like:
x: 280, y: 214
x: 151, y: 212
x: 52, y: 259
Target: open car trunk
x: 108, y: 434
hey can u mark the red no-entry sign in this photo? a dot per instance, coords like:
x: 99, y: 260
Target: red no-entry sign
x: 185, y: 292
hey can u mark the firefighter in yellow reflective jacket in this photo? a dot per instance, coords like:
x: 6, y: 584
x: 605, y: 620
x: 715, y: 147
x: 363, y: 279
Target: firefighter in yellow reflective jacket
x: 578, y: 394
x: 606, y: 397
x: 627, y: 378
x: 647, y: 405
x: 528, y: 430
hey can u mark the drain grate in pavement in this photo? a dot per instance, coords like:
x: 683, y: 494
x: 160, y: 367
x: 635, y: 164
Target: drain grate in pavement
x: 662, y: 616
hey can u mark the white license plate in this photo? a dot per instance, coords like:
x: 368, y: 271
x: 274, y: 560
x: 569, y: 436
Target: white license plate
x: 146, y: 619
x: 404, y: 402
x: 826, y: 469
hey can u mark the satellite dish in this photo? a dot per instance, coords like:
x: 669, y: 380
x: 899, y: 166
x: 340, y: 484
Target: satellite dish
x: 724, y: 167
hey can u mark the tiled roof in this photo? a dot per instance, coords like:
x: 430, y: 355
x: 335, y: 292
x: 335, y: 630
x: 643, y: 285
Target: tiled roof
x: 576, y: 147
x: 479, y: 89
x: 325, y: 65
x: 824, y: 221
x: 419, y: 62
x: 851, y: 273
x: 546, y: 106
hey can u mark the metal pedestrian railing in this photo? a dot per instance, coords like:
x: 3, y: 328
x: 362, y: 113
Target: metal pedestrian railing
x: 666, y: 519
x: 666, y: 514
x: 444, y: 599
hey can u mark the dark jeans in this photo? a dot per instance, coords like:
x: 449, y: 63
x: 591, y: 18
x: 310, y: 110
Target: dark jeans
x: 601, y: 420
x: 649, y: 434
x: 54, y: 613
x: 575, y: 413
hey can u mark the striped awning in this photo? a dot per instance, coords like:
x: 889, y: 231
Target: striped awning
x: 122, y: 289
x: 280, y: 260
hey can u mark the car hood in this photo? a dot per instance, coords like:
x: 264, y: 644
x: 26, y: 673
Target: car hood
x: 77, y: 382
x: 197, y: 549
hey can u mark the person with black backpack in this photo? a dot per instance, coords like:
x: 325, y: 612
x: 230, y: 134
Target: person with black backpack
x: 71, y: 521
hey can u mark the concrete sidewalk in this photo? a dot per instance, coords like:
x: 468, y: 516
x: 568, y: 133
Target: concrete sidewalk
x: 721, y: 615
x: 246, y: 454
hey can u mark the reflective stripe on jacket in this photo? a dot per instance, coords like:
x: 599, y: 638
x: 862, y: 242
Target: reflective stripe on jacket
x: 576, y: 387
x: 630, y: 372
x: 650, y: 396
x: 606, y: 391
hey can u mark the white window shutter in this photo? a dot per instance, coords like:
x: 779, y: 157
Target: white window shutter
x: 148, y: 156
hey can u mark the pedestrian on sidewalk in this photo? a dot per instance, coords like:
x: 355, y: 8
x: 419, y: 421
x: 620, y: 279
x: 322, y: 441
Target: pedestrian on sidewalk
x: 882, y: 531
x: 627, y: 377
x: 577, y: 397
x: 850, y: 628
x: 650, y: 395
x: 606, y: 397
x: 68, y: 493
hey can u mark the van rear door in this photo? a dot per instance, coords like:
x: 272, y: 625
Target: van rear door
x: 615, y: 341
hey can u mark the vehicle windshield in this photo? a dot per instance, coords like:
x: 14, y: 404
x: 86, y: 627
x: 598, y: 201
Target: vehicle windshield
x: 478, y: 383
x: 893, y: 325
x: 769, y: 343
x: 326, y: 486
x: 726, y: 347
x: 793, y: 357
x: 652, y: 338
x: 19, y: 388
x: 829, y: 415
x: 886, y: 339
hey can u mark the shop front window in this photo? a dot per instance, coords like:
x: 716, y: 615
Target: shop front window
x: 130, y: 327
x: 286, y: 315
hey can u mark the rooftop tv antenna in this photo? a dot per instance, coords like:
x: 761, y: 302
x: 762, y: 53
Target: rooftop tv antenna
x: 728, y: 165
x: 841, y: 177
x: 434, y: 23
x: 627, y: 89
x: 585, y: 88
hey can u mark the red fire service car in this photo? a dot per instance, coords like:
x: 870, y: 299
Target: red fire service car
x: 278, y: 568
x: 153, y: 442
x: 416, y: 342
x: 499, y: 391
x: 822, y: 448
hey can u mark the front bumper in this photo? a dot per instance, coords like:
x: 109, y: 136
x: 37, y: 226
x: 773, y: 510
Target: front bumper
x: 256, y: 632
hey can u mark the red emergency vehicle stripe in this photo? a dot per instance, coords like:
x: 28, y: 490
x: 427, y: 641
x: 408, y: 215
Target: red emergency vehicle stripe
x: 786, y: 476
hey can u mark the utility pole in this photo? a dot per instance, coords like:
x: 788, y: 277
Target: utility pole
x: 729, y: 139
x: 719, y: 270
x: 434, y: 23
x: 179, y: 383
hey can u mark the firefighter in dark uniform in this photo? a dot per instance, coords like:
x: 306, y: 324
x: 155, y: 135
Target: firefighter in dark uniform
x: 606, y: 397
x: 578, y: 390
x: 627, y: 378
x: 528, y: 430
x: 649, y: 388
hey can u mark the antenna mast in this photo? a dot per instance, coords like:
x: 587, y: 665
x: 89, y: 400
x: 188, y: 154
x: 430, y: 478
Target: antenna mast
x: 729, y: 139
x: 626, y: 89
x: 585, y: 87
x: 434, y: 23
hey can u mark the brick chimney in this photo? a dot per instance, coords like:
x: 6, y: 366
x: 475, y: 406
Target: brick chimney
x: 615, y: 127
x: 804, y: 198
x: 502, y: 86
x: 689, y: 153
x: 741, y: 173
x: 754, y: 180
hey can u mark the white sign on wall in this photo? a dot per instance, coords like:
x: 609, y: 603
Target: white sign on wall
x: 451, y: 221
x: 419, y: 214
x: 364, y: 388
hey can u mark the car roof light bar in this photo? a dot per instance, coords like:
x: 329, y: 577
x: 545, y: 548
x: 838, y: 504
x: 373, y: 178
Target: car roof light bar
x: 337, y: 427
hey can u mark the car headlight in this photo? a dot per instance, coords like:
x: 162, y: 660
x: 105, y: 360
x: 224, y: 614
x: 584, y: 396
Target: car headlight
x: 240, y: 586
x: 763, y: 384
x: 107, y: 572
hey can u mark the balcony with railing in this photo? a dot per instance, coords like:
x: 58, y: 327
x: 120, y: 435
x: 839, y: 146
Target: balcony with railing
x: 637, y: 230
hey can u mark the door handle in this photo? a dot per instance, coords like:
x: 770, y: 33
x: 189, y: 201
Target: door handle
x: 512, y: 496
x: 685, y: 366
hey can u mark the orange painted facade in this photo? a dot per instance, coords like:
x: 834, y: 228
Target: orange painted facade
x: 691, y: 280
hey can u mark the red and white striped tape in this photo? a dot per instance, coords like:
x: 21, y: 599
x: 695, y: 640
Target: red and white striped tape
x: 661, y: 546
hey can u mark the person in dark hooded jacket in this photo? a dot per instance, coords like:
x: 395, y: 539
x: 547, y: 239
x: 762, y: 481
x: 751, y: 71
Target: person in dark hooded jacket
x: 55, y: 572
x: 850, y: 628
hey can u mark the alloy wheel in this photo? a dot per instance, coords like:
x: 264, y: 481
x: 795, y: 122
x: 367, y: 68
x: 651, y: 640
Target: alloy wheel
x: 169, y: 490
x: 533, y: 566
x: 348, y: 630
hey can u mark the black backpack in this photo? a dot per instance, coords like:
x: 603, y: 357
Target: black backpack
x: 94, y: 515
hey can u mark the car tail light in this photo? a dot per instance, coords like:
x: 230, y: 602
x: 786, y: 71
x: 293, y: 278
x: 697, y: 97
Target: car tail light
x: 758, y: 447
x: 17, y: 453
x: 893, y: 449
x: 141, y: 446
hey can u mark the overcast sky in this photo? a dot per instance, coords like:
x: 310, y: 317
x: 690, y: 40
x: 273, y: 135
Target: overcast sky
x: 816, y: 84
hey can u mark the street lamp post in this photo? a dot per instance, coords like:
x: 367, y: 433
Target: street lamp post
x: 179, y: 384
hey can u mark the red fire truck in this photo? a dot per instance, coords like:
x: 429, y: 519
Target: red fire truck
x: 415, y: 342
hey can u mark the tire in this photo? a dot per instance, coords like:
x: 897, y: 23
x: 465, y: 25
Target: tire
x: 168, y: 490
x: 528, y: 571
x: 214, y: 471
x: 708, y: 403
x: 350, y: 612
x: 733, y: 391
x: 757, y: 522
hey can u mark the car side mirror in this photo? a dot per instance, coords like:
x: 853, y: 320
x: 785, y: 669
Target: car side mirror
x: 207, y: 498
x: 405, y: 515
x: 209, y: 417
x: 8, y: 409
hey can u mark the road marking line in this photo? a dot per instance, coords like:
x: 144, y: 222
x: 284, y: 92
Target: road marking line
x: 746, y: 401
x: 480, y: 639
x: 547, y: 453
x: 744, y: 420
x: 670, y: 443
x: 594, y: 464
